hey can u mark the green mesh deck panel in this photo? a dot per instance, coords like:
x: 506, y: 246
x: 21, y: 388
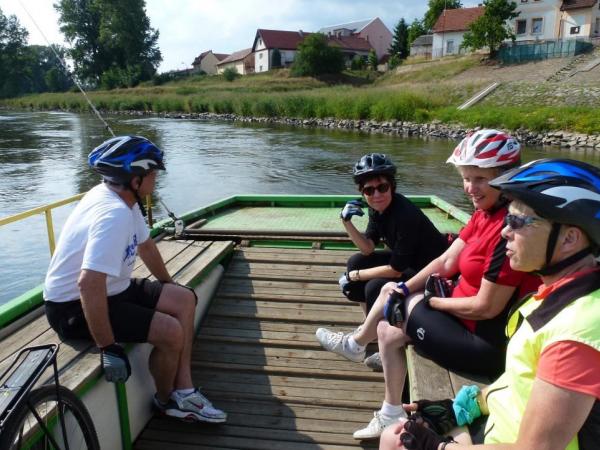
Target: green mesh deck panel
x: 303, y: 219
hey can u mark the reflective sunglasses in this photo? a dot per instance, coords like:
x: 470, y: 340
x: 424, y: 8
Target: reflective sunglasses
x: 381, y: 188
x: 516, y: 222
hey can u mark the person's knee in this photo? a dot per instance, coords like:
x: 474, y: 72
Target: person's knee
x: 389, y: 336
x: 166, y: 333
x: 355, y: 262
x: 177, y: 301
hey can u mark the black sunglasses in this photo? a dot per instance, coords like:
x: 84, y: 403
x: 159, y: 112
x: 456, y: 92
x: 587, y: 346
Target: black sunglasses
x: 516, y: 222
x: 381, y: 188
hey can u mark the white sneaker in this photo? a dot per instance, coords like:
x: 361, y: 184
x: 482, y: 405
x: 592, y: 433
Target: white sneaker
x: 373, y: 362
x: 338, y: 343
x: 193, y: 407
x: 376, y: 426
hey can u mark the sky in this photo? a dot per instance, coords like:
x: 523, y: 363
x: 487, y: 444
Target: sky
x: 189, y: 27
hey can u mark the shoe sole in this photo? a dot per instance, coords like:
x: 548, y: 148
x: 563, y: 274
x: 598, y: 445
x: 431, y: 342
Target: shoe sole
x: 366, y: 438
x: 191, y: 417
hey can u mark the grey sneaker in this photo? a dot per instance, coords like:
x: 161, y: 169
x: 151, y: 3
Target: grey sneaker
x: 193, y: 407
x: 338, y: 343
x: 376, y: 426
x: 374, y: 362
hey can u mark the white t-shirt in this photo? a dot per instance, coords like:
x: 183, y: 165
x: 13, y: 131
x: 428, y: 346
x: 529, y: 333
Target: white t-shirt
x: 101, y: 234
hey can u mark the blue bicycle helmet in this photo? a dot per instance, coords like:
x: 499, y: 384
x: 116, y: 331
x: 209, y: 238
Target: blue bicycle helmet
x: 121, y: 158
x: 372, y: 165
x: 563, y: 191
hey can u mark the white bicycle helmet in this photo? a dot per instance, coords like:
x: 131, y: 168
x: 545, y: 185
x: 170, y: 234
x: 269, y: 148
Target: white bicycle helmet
x: 487, y: 148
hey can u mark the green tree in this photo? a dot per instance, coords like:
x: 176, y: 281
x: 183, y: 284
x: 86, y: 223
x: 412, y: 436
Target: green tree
x: 44, y: 72
x: 491, y: 29
x: 230, y: 73
x: 315, y: 57
x: 372, y: 60
x: 358, y: 63
x: 400, y: 45
x: 13, y: 56
x: 276, y: 58
x: 112, y: 36
x: 415, y: 30
x: 435, y: 9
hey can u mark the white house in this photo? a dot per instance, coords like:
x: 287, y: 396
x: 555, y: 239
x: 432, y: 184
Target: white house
x: 449, y: 30
x: 372, y: 30
x: 265, y: 43
x: 556, y: 19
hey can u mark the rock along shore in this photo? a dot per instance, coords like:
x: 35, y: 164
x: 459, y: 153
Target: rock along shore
x: 436, y: 129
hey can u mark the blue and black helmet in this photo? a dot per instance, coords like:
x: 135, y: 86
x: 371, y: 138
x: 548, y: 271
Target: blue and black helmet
x: 121, y: 158
x: 563, y: 191
x: 371, y: 165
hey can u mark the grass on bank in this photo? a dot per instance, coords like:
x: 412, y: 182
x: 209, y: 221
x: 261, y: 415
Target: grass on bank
x: 421, y: 93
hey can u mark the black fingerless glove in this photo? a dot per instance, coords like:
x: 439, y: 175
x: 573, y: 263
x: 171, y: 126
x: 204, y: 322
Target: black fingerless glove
x: 417, y: 436
x: 115, y: 363
x: 438, y: 414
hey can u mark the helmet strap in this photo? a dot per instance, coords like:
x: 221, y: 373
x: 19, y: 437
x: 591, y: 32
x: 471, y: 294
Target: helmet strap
x: 553, y: 269
x: 137, y: 195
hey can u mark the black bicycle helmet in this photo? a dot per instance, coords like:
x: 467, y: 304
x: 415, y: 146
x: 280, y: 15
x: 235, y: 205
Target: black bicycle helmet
x: 371, y: 165
x: 121, y: 158
x: 562, y: 191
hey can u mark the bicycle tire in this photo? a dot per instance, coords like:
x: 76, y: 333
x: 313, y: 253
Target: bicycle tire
x: 22, y: 430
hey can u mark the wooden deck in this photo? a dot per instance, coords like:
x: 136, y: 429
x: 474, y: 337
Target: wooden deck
x: 256, y: 357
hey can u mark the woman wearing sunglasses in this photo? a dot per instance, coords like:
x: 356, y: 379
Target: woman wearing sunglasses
x: 462, y: 331
x: 411, y: 239
x: 549, y: 395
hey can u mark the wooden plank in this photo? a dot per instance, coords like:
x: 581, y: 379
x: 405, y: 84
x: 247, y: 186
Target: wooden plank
x: 168, y: 250
x: 298, y: 251
x: 458, y: 381
x: 185, y: 257
x: 291, y: 258
x: 202, y: 263
x: 329, y: 306
x: 331, y: 288
x: 258, y: 267
x: 278, y: 295
x: 262, y: 325
x: 427, y: 380
x: 297, y: 360
x: 270, y: 370
x: 285, y: 314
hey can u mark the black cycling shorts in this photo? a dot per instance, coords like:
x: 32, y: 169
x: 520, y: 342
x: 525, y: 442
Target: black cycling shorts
x: 445, y: 340
x: 130, y: 313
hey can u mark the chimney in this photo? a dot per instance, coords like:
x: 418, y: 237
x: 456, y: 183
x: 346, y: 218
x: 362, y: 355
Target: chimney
x: 301, y: 33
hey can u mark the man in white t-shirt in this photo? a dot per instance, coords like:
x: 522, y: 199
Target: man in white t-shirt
x: 90, y: 294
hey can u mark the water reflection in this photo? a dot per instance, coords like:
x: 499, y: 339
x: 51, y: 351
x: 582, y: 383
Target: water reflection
x: 43, y: 158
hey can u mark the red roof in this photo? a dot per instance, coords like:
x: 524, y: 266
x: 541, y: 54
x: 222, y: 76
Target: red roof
x: 576, y: 4
x: 349, y: 43
x: 283, y: 40
x: 457, y: 19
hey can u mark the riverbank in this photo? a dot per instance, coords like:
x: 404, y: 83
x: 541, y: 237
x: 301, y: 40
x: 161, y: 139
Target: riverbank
x: 419, y: 101
x: 435, y: 129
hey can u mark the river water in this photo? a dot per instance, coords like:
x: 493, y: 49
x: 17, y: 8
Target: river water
x: 43, y: 158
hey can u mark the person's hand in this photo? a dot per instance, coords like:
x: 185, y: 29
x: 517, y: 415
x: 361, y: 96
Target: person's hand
x: 352, y: 208
x: 438, y: 414
x: 344, y: 283
x: 393, y: 310
x: 115, y: 363
x: 417, y: 436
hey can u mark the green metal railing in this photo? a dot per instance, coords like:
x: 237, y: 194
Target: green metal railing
x: 519, y: 53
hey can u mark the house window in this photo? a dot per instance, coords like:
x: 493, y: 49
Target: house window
x: 260, y: 68
x: 597, y: 29
x: 537, y: 26
x: 260, y: 55
x: 450, y: 47
x: 260, y: 42
x: 521, y: 26
x: 575, y: 30
x: 523, y: 1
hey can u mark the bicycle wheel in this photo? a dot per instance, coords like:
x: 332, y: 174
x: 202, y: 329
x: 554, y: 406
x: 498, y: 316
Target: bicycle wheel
x: 24, y: 432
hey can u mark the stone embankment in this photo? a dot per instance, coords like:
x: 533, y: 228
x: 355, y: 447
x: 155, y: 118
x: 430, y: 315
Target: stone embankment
x: 434, y: 129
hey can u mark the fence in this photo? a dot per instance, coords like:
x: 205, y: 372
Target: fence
x: 518, y: 53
